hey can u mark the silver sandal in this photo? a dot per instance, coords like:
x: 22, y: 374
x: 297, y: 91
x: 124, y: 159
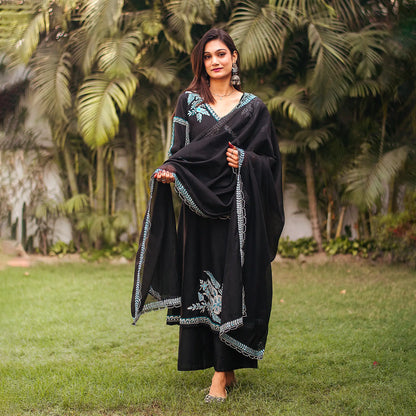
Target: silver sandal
x: 214, y: 399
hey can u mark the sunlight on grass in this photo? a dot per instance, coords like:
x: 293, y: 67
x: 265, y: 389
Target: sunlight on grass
x: 342, y: 341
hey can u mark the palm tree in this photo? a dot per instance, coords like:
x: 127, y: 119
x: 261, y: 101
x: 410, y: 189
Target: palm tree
x: 306, y: 44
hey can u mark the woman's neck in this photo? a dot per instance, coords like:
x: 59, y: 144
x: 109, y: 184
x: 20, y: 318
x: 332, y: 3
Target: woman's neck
x: 221, y: 87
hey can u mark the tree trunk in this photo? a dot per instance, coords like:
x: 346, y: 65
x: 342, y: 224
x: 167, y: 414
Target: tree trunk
x: 364, y: 221
x: 313, y: 203
x: 393, y: 191
x: 340, y: 222
x: 139, y: 188
x: 91, y: 191
x: 329, y: 219
x: 70, y: 171
x: 100, y: 184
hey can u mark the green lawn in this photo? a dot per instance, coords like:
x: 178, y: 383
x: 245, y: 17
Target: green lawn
x: 67, y: 346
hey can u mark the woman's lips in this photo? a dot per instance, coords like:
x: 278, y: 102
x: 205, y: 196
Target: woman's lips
x: 216, y: 69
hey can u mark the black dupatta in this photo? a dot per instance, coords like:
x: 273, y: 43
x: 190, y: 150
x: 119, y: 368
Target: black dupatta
x: 250, y: 197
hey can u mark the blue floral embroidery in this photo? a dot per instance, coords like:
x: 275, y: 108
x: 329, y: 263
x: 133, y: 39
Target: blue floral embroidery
x: 196, y: 109
x: 210, y: 298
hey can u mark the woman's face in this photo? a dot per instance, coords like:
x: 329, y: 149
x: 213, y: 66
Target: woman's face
x: 218, y: 59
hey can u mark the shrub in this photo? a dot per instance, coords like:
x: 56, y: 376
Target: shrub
x: 343, y: 245
x: 292, y: 249
x: 396, y: 233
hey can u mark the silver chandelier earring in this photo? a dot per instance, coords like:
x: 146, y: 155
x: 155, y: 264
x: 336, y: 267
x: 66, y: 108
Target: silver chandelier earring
x: 235, y: 79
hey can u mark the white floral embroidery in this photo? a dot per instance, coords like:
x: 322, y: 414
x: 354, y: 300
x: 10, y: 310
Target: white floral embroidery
x: 210, y: 298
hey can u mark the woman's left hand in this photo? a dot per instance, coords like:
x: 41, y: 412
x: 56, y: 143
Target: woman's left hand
x: 232, y: 156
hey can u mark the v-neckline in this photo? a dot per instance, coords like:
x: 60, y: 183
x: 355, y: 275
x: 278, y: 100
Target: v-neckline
x: 216, y: 116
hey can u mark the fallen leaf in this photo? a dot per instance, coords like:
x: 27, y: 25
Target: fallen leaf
x: 343, y: 292
x: 282, y: 301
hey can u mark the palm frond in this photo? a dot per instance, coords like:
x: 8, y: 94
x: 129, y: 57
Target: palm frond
x: 99, y: 100
x: 366, y: 180
x: 31, y: 37
x: 76, y: 204
x: 365, y: 88
x: 367, y: 49
x: 14, y: 19
x: 47, y: 206
x: 291, y: 104
x: 182, y: 15
x: 350, y: 12
x: 158, y: 66
x: 290, y: 146
x: 101, y: 17
x: 83, y: 49
x: 331, y: 73
x: 116, y: 55
x: 313, y: 138
x: 258, y: 31
x: 50, y: 83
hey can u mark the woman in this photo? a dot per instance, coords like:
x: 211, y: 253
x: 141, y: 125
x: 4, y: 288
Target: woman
x: 214, y: 272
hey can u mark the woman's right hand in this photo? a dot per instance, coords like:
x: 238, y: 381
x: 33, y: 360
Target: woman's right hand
x: 164, y: 176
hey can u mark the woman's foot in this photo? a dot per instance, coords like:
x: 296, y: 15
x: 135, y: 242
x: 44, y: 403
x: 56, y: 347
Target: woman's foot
x: 230, y: 379
x: 218, y: 384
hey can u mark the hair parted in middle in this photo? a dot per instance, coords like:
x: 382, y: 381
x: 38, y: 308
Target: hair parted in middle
x: 200, y: 83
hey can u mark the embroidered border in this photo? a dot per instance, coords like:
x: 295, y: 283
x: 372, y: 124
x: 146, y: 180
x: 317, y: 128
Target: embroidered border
x: 245, y: 99
x: 186, y: 198
x: 241, y: 206
x: 244, y: 349
x: 172, y: 319
x: 182, y: 122
x: 147, y: 225
x: 200, y: 320
x: 167, y: 303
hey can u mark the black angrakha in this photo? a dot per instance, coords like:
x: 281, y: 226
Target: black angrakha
x: 213, y: 272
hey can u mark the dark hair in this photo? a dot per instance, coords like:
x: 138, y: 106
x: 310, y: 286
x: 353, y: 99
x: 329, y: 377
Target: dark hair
x: 200, y: 83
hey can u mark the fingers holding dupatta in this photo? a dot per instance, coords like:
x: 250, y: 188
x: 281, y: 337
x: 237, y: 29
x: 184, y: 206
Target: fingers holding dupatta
x: 232, y: 156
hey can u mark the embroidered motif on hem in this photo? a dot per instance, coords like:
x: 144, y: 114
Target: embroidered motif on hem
x: 155, y: 294
x: 242, y: 348
x: 210, y: 298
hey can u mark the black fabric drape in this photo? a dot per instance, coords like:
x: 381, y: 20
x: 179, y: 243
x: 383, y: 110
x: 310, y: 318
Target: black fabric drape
x: 247, y: 199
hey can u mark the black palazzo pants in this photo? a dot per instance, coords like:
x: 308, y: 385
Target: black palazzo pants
x: 202, y: 246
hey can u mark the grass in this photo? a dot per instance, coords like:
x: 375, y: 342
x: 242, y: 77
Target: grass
x: 67, y: 346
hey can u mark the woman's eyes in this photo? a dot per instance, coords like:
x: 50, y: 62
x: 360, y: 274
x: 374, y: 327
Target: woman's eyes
x: 221, y: 55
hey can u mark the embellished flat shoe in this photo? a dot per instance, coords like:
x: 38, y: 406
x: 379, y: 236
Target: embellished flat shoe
x: 214, y: 399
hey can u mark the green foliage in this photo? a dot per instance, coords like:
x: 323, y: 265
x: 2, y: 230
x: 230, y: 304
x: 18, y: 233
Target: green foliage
x: 396, y: 233
x: 292, y: 249
x: 344, y: 245
x: 100, y: 98
x: 126, y: 250
x: 60, y: 248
